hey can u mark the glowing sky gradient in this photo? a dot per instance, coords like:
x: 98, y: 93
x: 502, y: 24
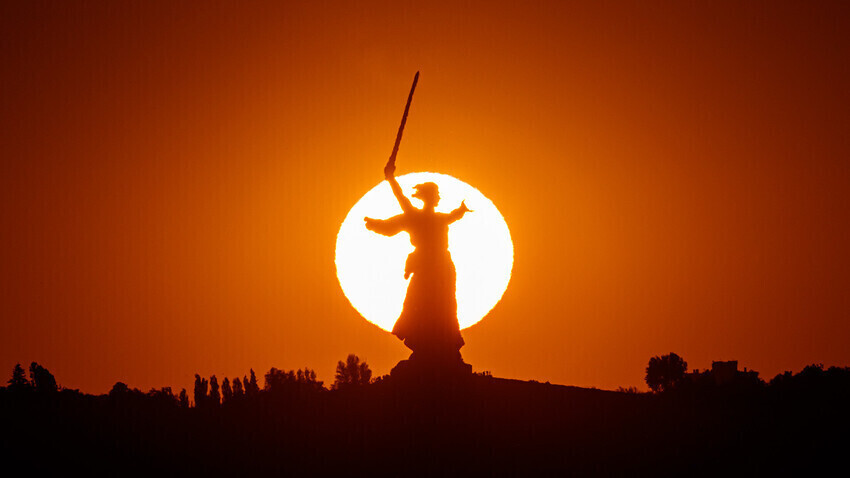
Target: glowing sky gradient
x: 675, y: 176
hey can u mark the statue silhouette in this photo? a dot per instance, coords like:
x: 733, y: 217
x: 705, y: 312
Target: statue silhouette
x: 428, y: 322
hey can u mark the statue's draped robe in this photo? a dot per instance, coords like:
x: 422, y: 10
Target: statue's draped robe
x: 428, y: 322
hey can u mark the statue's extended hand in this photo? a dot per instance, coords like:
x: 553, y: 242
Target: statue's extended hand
x: 370, y: 223
x: 389, y: 170
x: 463, y: 207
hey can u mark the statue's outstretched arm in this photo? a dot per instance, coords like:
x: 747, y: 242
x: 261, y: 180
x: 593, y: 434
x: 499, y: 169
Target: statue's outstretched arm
x: 403, y: 201
x: 386, y: 227
x: 458, y: 213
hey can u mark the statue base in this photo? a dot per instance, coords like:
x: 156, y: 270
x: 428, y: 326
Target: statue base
x: 432, y: 368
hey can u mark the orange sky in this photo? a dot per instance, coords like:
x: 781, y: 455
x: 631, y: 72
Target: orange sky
x: 675, y: 178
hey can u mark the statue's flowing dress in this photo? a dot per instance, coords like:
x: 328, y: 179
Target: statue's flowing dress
x: 428, y: 321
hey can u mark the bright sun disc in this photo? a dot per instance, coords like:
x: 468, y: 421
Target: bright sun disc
x: 370, y: 267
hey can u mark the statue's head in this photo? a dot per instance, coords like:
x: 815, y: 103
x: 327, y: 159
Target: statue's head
x: 427, y: 193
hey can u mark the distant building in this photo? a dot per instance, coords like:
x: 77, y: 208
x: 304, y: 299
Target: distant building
x: 724, y: 373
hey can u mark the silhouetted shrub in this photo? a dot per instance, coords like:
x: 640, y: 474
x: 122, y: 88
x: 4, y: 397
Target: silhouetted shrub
x: 630, y: 390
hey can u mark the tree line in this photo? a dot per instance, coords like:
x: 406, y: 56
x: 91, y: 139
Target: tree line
x: 665, y: 373
x: 287, y: 422
x: 208, y: 392
x: 668, y: 373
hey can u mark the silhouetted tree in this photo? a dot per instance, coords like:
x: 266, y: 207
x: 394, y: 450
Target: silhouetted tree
x: 119, y: 389
x: 164, y: 396
x: 841, y: 374
x: 183, y: 399
x: 662, y: 373
x: 352, y: 372
x: 238, y: 392
x: 781, y: 379
x: 307, y: 378
x: 42, y: 380
x: 19, y: 380
x: 276, y: 380
x: 121, y: 392
x: 226, y: 391
x: 811, y: 374
x: 201, y: 387
x: 215, y: 396
x: 251, y: 387
x: 813, y: 377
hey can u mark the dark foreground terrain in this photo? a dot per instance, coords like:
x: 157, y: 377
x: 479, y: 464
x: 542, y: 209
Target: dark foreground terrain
x: 474, y: 426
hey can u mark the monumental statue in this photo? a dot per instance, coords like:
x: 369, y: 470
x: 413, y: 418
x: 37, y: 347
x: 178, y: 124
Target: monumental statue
x: 428, y: 323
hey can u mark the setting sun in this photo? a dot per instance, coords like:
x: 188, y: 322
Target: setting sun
x: 370, y: 267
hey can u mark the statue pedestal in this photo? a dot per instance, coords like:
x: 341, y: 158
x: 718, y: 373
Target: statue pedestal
x: 421, y: 367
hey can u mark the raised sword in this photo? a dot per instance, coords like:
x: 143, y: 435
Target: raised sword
x: 391, y: 162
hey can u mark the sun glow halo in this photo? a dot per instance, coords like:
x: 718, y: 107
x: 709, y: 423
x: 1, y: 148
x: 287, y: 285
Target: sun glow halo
x: 370, y: 267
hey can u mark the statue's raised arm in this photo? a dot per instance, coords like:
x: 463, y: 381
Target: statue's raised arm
x: 403, y: 201
x: 395, y: 224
